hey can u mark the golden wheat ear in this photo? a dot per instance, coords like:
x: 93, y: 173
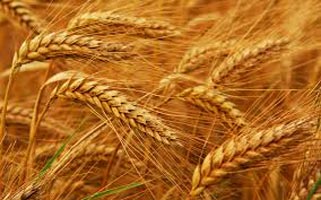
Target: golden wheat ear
x: 195, y: 58
x: 198, y: 56
x: 248, y: 57
x: 20, y: 12
x: 91, y: 153
x: 68, y: 46
x: 87, y: 90
x: 215, y: 102
x: 246, y: 150
x: 109, y: 23
x: 305, y: 183
x: 20, y: 115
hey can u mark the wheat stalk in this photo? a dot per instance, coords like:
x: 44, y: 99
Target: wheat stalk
x: 213, y: 101
x: 116, y: 104
x: 246, y: 58
x: 20, y: 11
x: 110, y: 23
x: 243, y: 150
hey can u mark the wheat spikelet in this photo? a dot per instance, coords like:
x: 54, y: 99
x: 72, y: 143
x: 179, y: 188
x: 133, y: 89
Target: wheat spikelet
x: 20, y: 11
x: 247, y: 149
x: 110, y: 23
x: 63, y: 45
x: 213, y: 101
x: 114, y: 103
x: 246, y: 58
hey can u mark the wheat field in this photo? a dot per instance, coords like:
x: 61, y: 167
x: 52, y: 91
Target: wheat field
x: 160, y: 99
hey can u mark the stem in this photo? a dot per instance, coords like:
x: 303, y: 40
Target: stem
x: 35, y: 122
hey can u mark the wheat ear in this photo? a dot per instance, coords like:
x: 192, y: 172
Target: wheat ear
x: 90, y: 153
x: 306, y: 184
x: 195, y: 58
x: 213, y: 101
x: 247, y: 57
x: 116, y: 104
x: 200, y: 55
x: 97, y: 153
x: 31, y: 191
x: 21, y: 12
x: 244, y: 150
x: 20, y: 115
x: 110, y: 23
x: 65, y: 45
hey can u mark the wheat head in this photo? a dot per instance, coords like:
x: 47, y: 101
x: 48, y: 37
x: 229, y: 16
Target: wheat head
x: 243, y: 150
x: 20, y: 12
x: 116, y: 104
x: 110, y: 23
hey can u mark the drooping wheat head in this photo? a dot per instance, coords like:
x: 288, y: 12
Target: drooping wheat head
x: 248, y: 57
x: 245, y: 150
x: 116, y: 104
x: 214, y: 101
x: 110, y: 23
x: 20, y: 12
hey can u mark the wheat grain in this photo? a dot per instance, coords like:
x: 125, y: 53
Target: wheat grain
x: 246, y: 58
x: 21, y: 13
x: 114, y: 103
x: 213, y: 101
x: 240, y: 152
x: 110, y: 23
